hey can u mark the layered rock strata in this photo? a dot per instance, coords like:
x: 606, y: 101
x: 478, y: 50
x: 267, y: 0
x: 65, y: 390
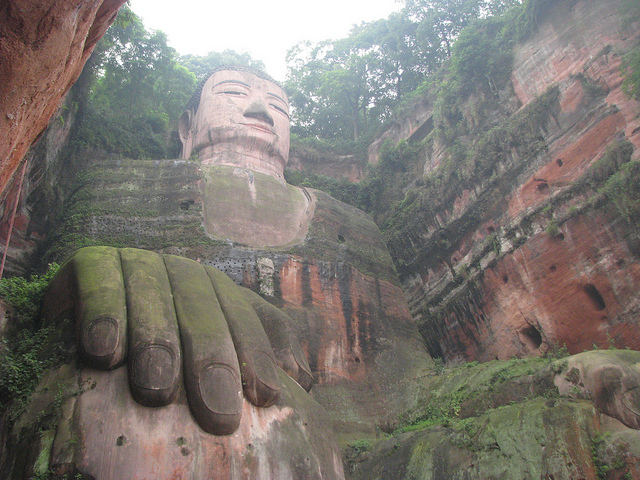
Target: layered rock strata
x: 529, y: 256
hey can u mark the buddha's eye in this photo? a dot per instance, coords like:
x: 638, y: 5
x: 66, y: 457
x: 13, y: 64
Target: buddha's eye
x: 234, y: 93
x: 281, y: 110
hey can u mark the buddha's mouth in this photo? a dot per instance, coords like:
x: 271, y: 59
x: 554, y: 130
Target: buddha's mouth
x: 257, y: 126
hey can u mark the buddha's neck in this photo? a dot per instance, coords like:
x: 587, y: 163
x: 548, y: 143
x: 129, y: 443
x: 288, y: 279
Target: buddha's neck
x: 250, y: 159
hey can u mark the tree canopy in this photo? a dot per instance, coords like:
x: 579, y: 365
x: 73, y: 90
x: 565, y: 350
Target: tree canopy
x: 135, y: 86
x: 342, y: 91
x: 347, y: 87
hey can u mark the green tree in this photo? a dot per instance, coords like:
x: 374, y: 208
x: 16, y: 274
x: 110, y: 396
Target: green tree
x: 202, y: 65
x: 133, y: 90
x: 349, y: 87
x: 344, y: 88
x: 631, y: 62
x: 441, y: 21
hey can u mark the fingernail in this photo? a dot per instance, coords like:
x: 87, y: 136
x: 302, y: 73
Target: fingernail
x: 101, y: 337
x: 221, y: 397
x: 219, y: 388
x: 265, y: 369
x: 154, y: 368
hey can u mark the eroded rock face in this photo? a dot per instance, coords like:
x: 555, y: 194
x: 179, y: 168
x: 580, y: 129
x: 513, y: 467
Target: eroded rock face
x: 611, y: 379
x: 343, y: 166
x: 508, y: 419
x: 532, y: 260
x: 529, y: 440
x: 575, y: 289
x: 43, y: 47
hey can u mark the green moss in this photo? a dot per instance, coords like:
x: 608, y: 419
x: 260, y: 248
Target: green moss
x: 533, y: 438
x: 467, y: 390
x: 623, y: 190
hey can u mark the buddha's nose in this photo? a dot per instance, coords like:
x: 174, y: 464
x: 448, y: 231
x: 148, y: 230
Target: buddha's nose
x: 258, y: 110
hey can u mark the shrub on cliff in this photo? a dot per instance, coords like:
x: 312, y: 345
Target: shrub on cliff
x: 29, y: 348
x: 623, y: 189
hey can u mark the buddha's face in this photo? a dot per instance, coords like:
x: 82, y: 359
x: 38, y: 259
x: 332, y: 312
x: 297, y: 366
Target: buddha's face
x: 241, y: 120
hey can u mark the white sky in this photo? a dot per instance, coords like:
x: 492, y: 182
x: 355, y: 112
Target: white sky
x: 264, y: 29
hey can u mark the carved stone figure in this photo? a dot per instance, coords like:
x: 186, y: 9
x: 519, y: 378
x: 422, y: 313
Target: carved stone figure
x: 240, y: 119
x: 175, y: 320
x: 237, y: 124
x: 193, y: 342
x: 323, y: 262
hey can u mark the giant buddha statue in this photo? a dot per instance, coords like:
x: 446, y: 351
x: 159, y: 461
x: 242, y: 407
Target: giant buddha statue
x: 187, y: 373
x: 237, y: 125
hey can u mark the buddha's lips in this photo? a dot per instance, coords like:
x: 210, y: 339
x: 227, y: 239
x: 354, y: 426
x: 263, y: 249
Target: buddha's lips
x: 257, y: 126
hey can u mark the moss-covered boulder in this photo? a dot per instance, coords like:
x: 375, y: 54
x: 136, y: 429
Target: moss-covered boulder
x: 508, y: 420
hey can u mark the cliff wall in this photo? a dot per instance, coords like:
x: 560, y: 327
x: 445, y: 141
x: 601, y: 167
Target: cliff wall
x: 528, y: 254
x: 43, y: 47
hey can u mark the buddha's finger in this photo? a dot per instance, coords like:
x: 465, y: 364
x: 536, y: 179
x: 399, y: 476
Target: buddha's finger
x: 92, y: 279
x: 255, y: 356
x: 211, y: 371
x: 285, y: 345
x: 154, y: 358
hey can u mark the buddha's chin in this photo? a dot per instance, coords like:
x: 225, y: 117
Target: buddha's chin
x: 268, y: 160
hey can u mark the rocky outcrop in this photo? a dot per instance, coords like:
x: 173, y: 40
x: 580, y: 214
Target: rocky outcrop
x: 527, y: 256
x: 40, y: 197
x: 311, y: 160
x: 508, y: 420
x: 43, y: 47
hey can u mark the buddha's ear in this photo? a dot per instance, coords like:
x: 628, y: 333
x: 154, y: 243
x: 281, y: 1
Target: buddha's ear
x: 184, y: 130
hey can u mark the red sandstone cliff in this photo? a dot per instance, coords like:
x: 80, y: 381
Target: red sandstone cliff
x: 531, y: 260
x: 43, y: 47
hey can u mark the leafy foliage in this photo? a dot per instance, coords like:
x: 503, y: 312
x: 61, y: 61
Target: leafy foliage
x: 23, y: 363
x: 631, y: 68
x: 25, y: 296
x: 623, y: 189
x: 134, y: 88
x: 341, y: 189
x: 440, y: 22
x: 201, y: 66
x: 29, y: 352
x: 338, y: 89
x: 347, y: 87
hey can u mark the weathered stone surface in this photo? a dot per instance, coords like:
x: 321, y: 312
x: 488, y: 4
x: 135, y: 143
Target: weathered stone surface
x: 100, y: 432
x: 579, y: 38
x: 241, y: 120
x: 610, y: 378
x: 43, y: 47
x: 506, y: 419
x: 338, y: 285
x: 529, y: 440
x: 276, y: 213
x: 532, y: 261
x: 577, y: 292
x: 415, y: 124
x: 341, y: 166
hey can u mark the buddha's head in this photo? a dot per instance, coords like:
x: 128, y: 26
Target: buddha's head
x: 238, y: 118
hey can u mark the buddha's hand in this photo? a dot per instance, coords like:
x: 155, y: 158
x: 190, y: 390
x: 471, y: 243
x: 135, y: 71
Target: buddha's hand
x: 168, y: 316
